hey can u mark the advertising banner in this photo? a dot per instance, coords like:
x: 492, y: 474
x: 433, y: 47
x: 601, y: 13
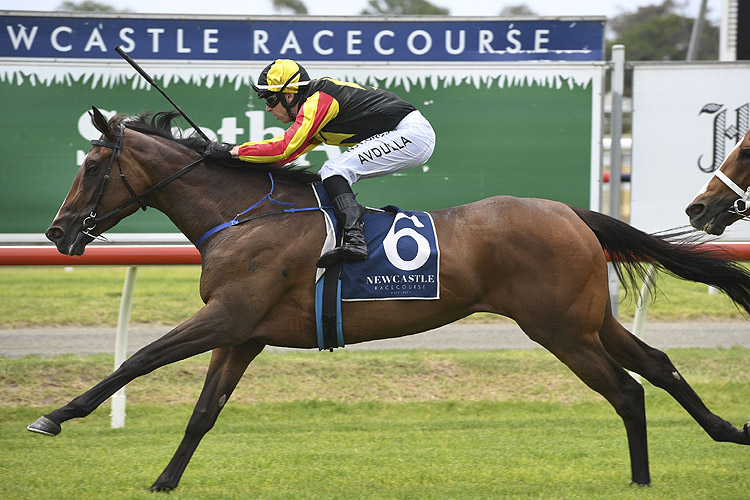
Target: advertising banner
x: 522, y: 128
x: 308, y: 38
x: 686, y: 119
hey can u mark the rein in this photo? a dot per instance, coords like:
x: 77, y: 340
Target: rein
x: 236, y: 221
x: 90, y: 222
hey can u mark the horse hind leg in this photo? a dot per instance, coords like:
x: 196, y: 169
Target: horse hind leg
x: 588, y: 359
x: 656, y: 367
x: 227, y: 366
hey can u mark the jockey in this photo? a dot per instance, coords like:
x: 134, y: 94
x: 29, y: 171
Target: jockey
x: 385, y: 134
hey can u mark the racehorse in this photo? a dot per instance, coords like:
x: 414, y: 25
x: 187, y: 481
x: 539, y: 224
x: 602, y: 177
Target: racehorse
x: 540, y: 262
x: 717, y: 205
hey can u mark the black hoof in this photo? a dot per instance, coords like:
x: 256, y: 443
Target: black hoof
x: 160, y: 489
x: 747, y: 430
x: 45, y: 426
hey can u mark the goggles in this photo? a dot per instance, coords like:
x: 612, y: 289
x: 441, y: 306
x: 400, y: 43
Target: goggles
x: 272, y: 100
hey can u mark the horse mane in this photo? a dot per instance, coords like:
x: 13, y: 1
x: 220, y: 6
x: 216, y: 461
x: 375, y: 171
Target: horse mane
x: 159, y: 124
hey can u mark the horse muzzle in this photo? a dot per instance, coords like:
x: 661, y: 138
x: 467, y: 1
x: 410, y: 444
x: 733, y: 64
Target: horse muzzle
x: 68, y: 243
x: 711, y: 218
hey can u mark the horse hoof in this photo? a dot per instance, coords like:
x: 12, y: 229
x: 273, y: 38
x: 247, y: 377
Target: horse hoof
x: 747, y: 430
x: 160, y: 489
x: 45, y: 426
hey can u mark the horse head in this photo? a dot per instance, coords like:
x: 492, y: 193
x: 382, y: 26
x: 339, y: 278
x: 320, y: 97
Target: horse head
x: 717, y: 205
x: 90, y: 207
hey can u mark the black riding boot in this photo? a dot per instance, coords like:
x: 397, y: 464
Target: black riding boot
x: 349, y: 214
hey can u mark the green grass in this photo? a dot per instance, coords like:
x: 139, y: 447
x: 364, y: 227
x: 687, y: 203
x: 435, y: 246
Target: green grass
x: 90, y: 295
x: 380, y: 425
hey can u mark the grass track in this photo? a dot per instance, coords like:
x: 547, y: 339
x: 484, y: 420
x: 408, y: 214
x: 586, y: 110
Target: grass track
x: 356, y: 425
x: 90, y: 295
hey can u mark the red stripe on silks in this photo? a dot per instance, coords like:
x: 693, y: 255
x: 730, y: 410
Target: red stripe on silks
x: 312, y: 126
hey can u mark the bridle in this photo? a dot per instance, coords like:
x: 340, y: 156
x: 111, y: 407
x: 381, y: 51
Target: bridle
x: 90, y: 222
x: 744, y: 196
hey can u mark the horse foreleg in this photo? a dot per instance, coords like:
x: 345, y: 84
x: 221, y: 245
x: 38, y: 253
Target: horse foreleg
x: 656, y: 367
x: 200, y: 333
x: 227, y: 366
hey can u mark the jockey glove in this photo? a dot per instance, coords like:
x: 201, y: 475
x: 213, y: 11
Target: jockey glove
x: 219, y: 151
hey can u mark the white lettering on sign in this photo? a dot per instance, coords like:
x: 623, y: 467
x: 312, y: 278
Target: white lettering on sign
x: 260, y: 39
x: 512, y: 38
x: 352, y: 41
x: 228, y: 131
x: 377, y: 42
x: 449, y: 42
x: 76, y: 39
x: 316, y: 42
x: 181, y: 49
x: 209, y: 39
x: 426, y: 42
x: 485, y: 41
x: 541, y: 37
x: 291, y: 43
x: 155, y: 32
x: 53, y: 39
x: 95, y: 40
x: 129, y: 43
x: 23, y: 35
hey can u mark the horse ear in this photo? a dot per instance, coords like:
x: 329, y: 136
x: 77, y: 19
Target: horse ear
x: 101, y: 123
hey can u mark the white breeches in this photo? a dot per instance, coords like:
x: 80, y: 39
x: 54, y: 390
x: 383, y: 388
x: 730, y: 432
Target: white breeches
x: 410, y: 144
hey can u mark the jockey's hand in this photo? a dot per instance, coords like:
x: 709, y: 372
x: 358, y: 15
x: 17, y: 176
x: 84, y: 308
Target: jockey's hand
x: 219, y: 151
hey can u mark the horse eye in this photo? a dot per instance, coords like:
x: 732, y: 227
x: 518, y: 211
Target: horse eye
x: 745, y: 154
x: 92, y: 168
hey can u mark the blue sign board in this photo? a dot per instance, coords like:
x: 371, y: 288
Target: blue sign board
x: 337, y: 39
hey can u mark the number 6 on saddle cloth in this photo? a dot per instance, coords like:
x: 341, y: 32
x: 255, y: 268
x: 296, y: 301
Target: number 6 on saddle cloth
x: 404, y: 264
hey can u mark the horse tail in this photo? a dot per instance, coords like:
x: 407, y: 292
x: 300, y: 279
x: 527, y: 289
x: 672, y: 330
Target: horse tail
x: 632, y: 251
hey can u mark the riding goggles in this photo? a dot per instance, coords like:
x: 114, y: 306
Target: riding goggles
x: 272, y: 100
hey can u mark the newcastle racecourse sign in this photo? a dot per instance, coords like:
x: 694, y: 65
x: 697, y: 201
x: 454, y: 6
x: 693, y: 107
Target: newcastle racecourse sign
x: 319, y: 39
x: 538, y: 82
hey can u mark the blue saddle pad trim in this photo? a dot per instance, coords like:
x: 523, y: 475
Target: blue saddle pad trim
x: 319, y: 314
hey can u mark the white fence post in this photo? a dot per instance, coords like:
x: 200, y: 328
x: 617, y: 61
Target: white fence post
x: 121, y: 344
x: 615, y: 163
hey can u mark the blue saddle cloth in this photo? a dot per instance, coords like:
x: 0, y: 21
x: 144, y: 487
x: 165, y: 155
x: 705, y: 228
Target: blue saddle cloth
x: 404, y: 264
x: 404, y: 260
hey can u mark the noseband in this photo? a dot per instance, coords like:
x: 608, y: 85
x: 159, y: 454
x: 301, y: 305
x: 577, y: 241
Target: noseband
x: 90, y: 222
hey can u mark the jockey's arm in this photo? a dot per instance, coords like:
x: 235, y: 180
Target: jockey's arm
x: 299, y: 139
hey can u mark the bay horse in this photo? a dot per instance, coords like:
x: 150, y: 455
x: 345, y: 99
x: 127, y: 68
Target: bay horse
x: 724, y: 200
x: 542, y: 263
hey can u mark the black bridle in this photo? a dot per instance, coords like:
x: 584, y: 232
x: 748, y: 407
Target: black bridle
x: 90, y: 222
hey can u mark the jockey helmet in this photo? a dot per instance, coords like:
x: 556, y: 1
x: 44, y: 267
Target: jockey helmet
x: 283, y: 76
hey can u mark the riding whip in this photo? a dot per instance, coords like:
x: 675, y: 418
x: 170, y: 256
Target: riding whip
x: 150, y: 80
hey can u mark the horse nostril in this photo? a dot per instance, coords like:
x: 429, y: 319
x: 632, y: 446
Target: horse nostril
x: 695, y: 210
x: 54, y: 234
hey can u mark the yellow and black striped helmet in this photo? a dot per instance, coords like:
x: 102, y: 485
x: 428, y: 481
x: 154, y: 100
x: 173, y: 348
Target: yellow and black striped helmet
x: 282, y: 75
